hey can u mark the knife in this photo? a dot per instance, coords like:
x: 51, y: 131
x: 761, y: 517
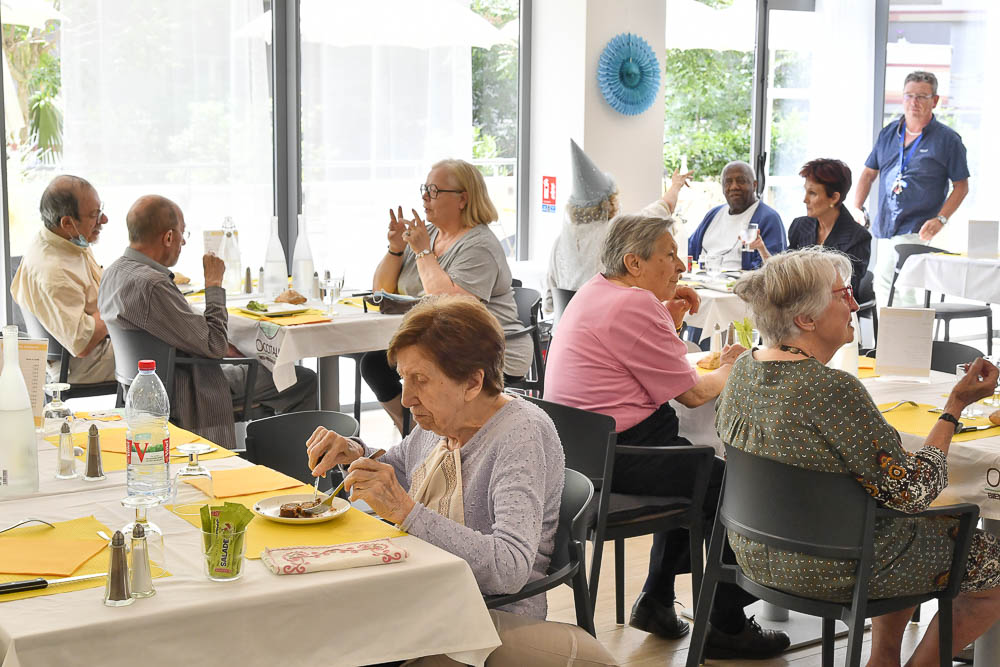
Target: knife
x: 34, y: 584
x: 967, y: 429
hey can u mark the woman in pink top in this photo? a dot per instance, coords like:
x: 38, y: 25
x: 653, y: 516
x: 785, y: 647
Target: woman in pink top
x: 616, y: 352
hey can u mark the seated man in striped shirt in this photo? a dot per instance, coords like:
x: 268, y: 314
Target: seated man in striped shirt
x: 138, y: 292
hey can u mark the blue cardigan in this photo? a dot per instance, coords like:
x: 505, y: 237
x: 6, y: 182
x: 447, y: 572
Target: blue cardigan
x: 771, y: 230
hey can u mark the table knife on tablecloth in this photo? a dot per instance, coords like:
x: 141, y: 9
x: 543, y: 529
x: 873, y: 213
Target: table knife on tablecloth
x: 969, y: 429
x: 34, y: 584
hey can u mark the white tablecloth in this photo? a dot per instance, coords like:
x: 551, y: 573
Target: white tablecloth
x: 426, y: 605
x: 279, y: 347
x: 720, y: 308
x: 975, y: 279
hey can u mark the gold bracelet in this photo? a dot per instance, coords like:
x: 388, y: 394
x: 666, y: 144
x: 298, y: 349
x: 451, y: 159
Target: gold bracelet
x: 422, y: 253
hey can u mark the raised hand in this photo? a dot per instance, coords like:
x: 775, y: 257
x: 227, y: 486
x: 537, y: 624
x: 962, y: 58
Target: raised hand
x: 397, y: 227
x: 214, y: 267
x: 416, y: 234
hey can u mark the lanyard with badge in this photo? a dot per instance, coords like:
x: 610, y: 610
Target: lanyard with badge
x: 904, y: 157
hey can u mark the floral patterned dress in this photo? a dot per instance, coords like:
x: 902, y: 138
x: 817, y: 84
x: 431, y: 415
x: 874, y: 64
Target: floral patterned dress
x: 807, y: 415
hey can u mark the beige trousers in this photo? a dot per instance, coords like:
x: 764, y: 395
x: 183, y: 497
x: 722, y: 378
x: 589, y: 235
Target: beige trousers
x: 528, y: 641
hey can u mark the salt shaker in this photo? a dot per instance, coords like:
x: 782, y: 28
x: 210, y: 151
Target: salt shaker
x: 315, y: 284
x: 95, y: 465
x: 142, y: 580
x: 260, y: 280
x: 116, y: 590
x: 67, y: 461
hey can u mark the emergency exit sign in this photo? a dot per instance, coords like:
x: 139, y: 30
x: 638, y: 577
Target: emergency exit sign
x: 548, y: 194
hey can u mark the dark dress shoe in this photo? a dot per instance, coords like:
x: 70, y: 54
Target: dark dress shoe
x: 651, y: 615
x: 751, y: 643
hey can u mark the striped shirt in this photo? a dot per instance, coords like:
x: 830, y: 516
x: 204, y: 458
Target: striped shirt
x: 139, y: 293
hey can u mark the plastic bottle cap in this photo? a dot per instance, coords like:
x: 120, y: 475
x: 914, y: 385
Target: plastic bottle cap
x: 147, y: 365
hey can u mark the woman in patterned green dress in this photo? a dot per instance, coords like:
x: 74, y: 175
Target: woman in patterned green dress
x: 783, y: 403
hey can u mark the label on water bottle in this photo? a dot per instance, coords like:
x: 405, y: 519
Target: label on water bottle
x: 146, y: 451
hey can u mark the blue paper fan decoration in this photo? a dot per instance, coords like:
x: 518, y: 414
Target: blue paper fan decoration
x: 628, y: 74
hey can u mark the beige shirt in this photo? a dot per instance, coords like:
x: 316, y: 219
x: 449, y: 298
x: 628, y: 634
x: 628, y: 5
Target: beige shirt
x: 58, y: 282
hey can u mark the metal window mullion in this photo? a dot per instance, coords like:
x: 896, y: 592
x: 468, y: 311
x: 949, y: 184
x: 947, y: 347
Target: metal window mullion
x: 759, y: 95
x: 286, y: 67
x: 523, y: 163
x: 5, y: 262
x: 878, y: 99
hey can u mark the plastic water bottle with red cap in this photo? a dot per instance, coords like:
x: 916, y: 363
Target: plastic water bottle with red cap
x: 147, y: 436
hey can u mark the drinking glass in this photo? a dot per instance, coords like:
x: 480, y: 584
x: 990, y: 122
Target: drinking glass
x: 332, y: 286
x: 713, y: 265
x: 55, y: 411
x: 971, y: 411
x: 994, y: 400
x: 154, y: 536
x: 750, y: 234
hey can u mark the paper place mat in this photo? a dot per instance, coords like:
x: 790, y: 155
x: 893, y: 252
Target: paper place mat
x: 358, y: 302
x: 310, y: 316
x: 866, y: 368
x: 102, y: 416
x: 352, y: 526
x: 919, y: 421
x: 244, y: 481
x: 80, y: 529
x: 114, y: 462
x: 113, y: 439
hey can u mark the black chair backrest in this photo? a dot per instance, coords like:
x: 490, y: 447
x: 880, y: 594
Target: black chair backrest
x: 866, y: 288
x: 528, y: 302
x: 945, y: 355
x: 37, y: 330
x: 588, y: 439
x: 905, y: 250
x: 132, y: 345
x: 279, y: 442
x: 560, y: 299
x: 794, y: 509
x: 576, y: 496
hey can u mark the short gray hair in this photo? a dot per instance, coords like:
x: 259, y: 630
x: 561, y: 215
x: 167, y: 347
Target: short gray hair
x: 59, y: 199
x: 793, y: 283
x: 921, y: 76
x: 739, y: 164
x: 636, y: 234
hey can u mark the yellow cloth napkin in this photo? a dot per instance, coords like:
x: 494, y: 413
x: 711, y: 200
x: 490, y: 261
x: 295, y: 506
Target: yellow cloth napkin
x: 310, y: 316
x: 352, y: 526
x: 79, y: 529
x: 918, y: 421
x: 113, y: 439
x: 243, y: 481
x: 358, y: 302
x: 41, y: 554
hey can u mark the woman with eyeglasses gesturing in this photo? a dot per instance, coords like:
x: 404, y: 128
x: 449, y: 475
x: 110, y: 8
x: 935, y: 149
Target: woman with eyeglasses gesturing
x: 453, y: 252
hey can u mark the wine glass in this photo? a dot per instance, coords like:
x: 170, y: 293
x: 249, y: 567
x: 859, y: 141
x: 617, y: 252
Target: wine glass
x: 154, y: 536
x: 55, y: 411
x: 193, y: 467
x: 332, y: 286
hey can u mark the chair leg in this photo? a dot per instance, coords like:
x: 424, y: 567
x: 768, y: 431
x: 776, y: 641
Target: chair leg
x: 855, y: 637
x: 620, y: 581
x: 946, y: 651
x: 989, y: 335
x: 947, y: 329
x: 357, y: 393
x: 697, y: 563
x: 829, y: 637
x: 875, y: 324
x: 705, y: 596
x: 581, y: 596
x: 595, y: 568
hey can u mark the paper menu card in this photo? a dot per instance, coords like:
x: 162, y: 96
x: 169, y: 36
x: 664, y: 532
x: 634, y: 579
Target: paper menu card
x: 983, y: 238
x: 212, y: 239
x: 905, y: 340
x: 33, y: 354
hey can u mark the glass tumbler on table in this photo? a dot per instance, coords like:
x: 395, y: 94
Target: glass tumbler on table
x: 750, y: 234
x: 332, y: 287
x: 971, y: 411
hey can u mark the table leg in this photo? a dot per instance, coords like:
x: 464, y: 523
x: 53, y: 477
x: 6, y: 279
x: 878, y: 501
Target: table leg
x: 329, y: 383
x: 988, y: 644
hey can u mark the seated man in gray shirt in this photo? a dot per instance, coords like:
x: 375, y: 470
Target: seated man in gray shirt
x: 138, y: 292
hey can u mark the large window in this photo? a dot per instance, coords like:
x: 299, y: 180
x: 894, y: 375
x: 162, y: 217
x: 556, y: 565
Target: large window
x: 387, y: 90
x: 151, y: 97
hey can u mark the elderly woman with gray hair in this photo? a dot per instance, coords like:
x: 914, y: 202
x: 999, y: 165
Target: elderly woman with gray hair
x: 783, y: 403
x: 616, y: 352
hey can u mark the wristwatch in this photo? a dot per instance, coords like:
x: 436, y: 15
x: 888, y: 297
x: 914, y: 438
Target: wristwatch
x: 422, y: 253
x: 942, y: 218
x: 952, y: 419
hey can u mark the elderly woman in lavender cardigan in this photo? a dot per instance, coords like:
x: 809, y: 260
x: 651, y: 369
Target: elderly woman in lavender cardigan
x: 481, y: 476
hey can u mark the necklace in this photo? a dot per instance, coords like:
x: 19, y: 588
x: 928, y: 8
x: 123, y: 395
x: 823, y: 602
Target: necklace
x: 795, y: 350
x: 915, y: 134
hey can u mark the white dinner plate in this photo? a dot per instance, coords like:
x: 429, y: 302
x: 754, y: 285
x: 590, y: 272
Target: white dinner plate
x: 268, y: 508
x: 277, y: 309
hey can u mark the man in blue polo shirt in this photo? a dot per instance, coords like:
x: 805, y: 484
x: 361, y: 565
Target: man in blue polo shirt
x: 914, y: 158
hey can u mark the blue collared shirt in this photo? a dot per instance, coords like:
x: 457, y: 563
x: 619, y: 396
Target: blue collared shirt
x: 939, y: 158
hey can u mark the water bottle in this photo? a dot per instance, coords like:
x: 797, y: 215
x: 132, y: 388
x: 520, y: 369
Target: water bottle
x: 275, y: 269
x: 18, y: 451
x: 302, y: 262
x: 229, y: 252
x: 147, y: 437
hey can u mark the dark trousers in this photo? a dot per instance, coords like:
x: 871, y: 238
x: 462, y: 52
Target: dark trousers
x: 657, y: 475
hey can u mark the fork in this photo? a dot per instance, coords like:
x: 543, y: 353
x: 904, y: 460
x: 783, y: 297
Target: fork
x: 899, y: 404
x: 328, y: 501
x: 24, y: 521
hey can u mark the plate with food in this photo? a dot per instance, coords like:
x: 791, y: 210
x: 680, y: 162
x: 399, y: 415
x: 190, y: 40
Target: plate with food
x: 273, y: 308
x: 289, y: 508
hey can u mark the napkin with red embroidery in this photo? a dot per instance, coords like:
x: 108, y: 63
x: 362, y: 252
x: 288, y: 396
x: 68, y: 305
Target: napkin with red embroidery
x: 300, y: 560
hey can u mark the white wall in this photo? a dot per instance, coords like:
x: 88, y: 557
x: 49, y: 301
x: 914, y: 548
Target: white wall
x: 567, y: 39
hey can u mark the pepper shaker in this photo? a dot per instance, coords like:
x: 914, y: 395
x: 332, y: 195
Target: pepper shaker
x: 95, y: 465
x: 116, y: 590
x: 141, y: 579
x: 248, y: 283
